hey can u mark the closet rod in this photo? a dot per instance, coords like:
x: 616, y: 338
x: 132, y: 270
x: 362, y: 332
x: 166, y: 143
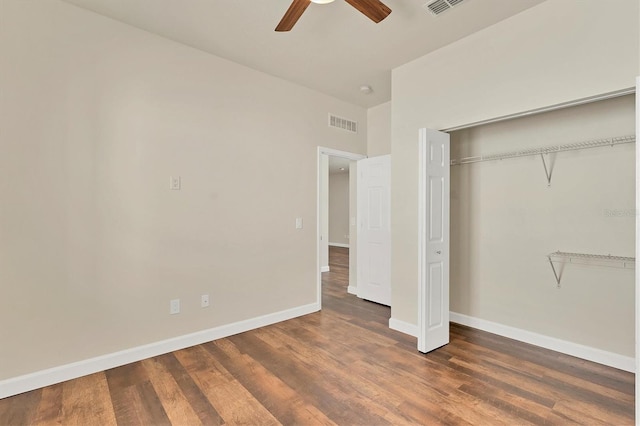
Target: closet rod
x: 547, y: 150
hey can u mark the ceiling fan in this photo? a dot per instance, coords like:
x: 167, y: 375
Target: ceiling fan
x: 372, y: 9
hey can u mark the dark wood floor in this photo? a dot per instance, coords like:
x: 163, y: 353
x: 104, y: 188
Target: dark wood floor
x: 339, y: 366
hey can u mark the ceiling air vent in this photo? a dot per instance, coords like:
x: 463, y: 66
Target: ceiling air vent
x: 439, y: 6
x: 343, y: 123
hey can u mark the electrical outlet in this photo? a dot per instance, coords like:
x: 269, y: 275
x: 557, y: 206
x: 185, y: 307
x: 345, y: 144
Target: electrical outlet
x: 174, y: 183
x: 204, y: 301
x: 174, y: 306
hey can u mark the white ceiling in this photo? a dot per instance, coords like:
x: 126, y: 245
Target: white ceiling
x: 333, y: 48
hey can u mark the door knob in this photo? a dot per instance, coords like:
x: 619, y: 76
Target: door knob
x: 438, y: 252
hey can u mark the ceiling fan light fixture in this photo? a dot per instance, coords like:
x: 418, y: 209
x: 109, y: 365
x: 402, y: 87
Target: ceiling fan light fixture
x: 372, y: 9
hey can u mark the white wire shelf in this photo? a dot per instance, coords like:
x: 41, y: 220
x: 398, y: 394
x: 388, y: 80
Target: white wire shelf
x: 588, y: 259
x: 547, y: 150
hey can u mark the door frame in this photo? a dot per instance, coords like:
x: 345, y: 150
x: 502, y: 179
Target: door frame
x: 422, y: 241
x: 331, y: 153
x: 637, y: 282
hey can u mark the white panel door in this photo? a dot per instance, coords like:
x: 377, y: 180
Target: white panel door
x: 433, y: 294
x: 374, y: 229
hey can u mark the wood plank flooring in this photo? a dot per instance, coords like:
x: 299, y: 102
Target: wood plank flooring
x: 339, y: 366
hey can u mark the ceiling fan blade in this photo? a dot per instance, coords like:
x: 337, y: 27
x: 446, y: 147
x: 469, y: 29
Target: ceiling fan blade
x: 372, y: 9
x: 292, y: 14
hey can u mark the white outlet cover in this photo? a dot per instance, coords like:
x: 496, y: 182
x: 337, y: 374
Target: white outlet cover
x: 204, y: 300
x: 174, y: 306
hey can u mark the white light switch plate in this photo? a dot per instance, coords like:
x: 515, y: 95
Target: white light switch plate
x: 298, y: 223
x: 174, y: 183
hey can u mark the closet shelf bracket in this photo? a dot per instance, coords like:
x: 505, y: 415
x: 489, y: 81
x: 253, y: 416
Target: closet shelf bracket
x: 547, y: 170
x: 561, y: 258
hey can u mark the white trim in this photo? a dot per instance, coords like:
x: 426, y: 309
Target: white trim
x: 422, y: 242
x: 577, y: 102
x: 403, y: 327
x: 574, y: 349
x: 637, y: 275
x: 39, y: 379
x: 352, y: 290
x: 339, y: 245
x: 342, y: 154
x: 325, y: 269
x: 336, y: 153
x: 318, y: 229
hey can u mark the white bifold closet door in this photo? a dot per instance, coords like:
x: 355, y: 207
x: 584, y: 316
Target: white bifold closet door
x: 433, y: 240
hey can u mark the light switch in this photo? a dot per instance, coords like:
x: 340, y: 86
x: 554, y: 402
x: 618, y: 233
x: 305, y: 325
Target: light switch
x: 298, y: 223
x: 174, y: 183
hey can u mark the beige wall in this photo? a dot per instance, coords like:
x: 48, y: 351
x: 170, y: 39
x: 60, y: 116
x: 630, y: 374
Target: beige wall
x: 505, y: 219
x: 95, y: 116
x: 379, y: 130
x: 339, y: 208
x: 558, y: 51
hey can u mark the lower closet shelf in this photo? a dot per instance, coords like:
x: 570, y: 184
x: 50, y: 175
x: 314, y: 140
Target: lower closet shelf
x: 589, y: 259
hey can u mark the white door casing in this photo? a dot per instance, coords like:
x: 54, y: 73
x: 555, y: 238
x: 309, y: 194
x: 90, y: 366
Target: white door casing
x: 637, y: 277
x: 374, y: 229
x: 324, y: 213
x: 433, y: 240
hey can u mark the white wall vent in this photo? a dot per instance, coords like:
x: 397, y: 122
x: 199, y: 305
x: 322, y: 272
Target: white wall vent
x: 439, y: 6
x: 343, y: 123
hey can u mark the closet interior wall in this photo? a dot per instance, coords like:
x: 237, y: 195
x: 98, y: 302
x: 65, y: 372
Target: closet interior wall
x: 505, y: 219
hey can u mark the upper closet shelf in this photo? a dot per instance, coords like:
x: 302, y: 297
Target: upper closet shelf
x: 547, y: 150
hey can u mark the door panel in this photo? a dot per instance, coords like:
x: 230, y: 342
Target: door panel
x: 375, y: 209
x: 436, y: 200
x: 436, y: 288
x: 374, y: 229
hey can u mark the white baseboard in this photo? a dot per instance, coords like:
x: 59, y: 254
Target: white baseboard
x: 27, y: 382
x: 339, y: 245
x: 574, y: 349
x: 324, y: 269
x: 403, y: 327
x: 352, y: 290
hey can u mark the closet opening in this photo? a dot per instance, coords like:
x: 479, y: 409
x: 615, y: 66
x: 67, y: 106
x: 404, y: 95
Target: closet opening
x: 543, y: 219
